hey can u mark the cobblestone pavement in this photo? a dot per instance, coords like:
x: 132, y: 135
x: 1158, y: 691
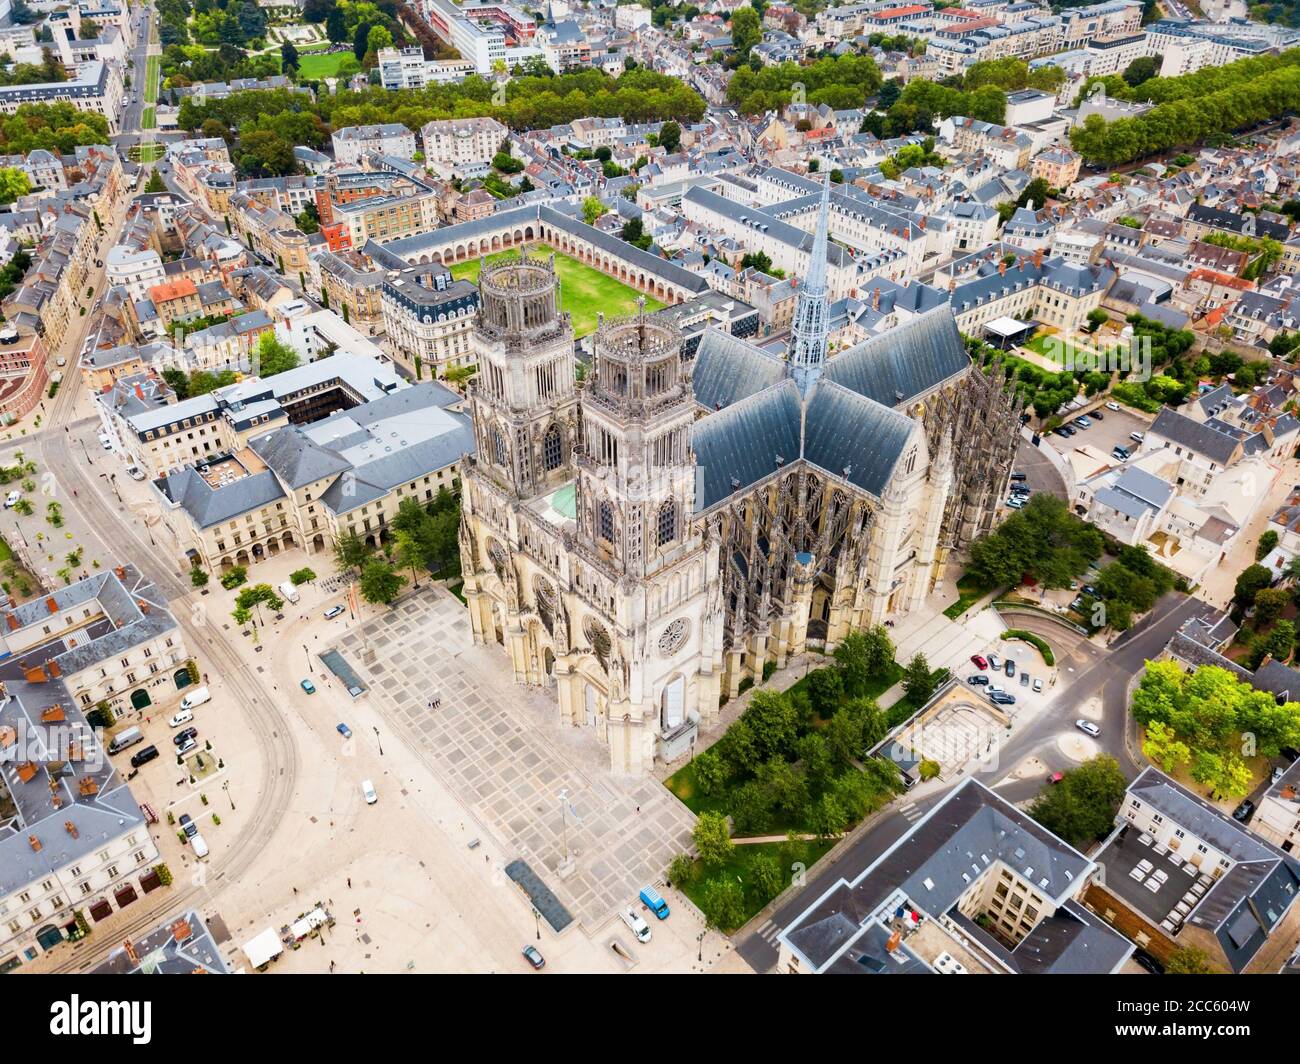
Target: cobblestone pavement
x: 503, y: 752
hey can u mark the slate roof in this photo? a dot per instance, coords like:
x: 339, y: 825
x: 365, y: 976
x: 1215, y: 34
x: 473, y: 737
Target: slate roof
x: 727, y: 369
x: 904, y: 362
x: 1219, y: 447
x: 738, y: 446
x: 208, y: 506
x: 853, y: 437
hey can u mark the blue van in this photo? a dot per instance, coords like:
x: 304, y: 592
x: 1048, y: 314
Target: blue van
x: 657, y: 905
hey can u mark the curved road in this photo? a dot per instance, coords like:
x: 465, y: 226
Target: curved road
x: 119, y: 537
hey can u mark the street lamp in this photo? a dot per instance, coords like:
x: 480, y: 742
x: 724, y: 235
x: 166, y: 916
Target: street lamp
x: 226, y: 787
x: 378, y: 740
x: 700, y: 939
x: 310, y: 667
x: 537, y: 919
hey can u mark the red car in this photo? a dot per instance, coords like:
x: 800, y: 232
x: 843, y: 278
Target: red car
x: 1056, y: 777
x: 979, y: 662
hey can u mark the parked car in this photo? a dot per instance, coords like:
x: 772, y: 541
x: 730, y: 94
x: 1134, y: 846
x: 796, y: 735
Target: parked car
x: 1136, y: 437
x: 333, y: 612
x: 308, y: 686
x: 183, y: 717
x: 1088, y: 727
x: 1112, y: 406
x: 368, y: 792
x: 1015, y: 503
x: 1003, y: 699
x: 1061, y: 432
x: 978, y: 680
x: 188, y: 826
x: 1024, y: 678
x: 143, y: 757
x: 1121, y: 453
x: 979, y: 661
x: 189, y: 744
x: 1018, y: 476
x: 1010, y: 667
x: 185, y: 736
x: 1083, y: 422
x: 344, y: 731
x: 1243, y: 812
x: 994, y: 662
x: 135, y: 472
x: 534, y: 958
x: 1097, y: 415
x: 1038, y: 685
x: 1278, y: 773
x: 1144, y: 960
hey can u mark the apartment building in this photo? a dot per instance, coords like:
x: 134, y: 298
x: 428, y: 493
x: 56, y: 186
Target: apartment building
x: 406, y: 68
x: 384, y: 218
x: 353, y: 144
x: 96, y: 88
x: 1051, y: 291
x: 429, y: 317
x: 1179, y: 874
x: 270, y: 232
x: 975, y: 887
x: 352, y: 284
x: 460, y: 141
x: 80, y: 848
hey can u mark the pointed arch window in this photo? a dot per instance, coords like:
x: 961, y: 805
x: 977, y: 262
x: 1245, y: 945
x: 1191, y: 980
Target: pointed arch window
x: 500, y: 451
x: 552, y: 448
x: 667, y: 522
x: 605, y: 522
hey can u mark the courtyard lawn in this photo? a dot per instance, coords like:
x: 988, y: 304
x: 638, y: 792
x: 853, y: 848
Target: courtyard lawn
x: 584, y: 291
x: 313, y: 65
x: 970, y: 591
x: 151, y: 70
x: 147, y: 118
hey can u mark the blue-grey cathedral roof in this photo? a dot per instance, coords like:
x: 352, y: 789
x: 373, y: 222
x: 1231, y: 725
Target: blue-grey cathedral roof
x: 848, y: 425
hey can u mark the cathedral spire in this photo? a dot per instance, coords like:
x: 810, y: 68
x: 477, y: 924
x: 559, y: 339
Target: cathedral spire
x: 808, y: 349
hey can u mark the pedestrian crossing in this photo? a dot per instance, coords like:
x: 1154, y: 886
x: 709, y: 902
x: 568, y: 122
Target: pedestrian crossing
x: 911, y: 812
x: 768, y: 932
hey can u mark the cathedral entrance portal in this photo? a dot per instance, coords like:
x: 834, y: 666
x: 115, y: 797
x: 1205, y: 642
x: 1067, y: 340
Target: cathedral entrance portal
x: 671, y: 702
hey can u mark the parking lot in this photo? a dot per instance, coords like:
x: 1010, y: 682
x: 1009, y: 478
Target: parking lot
x: 1103, y: 435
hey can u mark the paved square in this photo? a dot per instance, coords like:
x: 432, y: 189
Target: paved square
x: 501, y: 750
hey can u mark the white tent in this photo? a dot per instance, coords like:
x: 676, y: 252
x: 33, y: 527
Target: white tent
x: 318, y: 917
x: 264, y: 948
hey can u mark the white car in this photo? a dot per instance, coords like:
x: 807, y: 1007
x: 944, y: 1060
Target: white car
x: 1087, y: 727
x: 368, y: 792
x: 1112, y: 406
x: 106, y: 441
x: 1038, y: 686
x: 12, y: 498
x: 183, y: 717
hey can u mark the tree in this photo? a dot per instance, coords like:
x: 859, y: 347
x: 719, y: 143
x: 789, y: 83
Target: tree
x: 1266, y: 543
x: 380, y: 582
x: 13, y: 183
x: 289, y: 61
x: 1081, y: 807
x: 766, y: 875
x: 829, y: 817
x: 1096, y: 319
x: 592, y: 209
x: 264, y: 152
x: 723, y: 903
x: 274, y: 356
x: 862, y: 655
x: 681, y: 870
x: 1269, y: 604
x: 1164, y: 748
x: 745, y: 31
x: 378, y: 38
x: 773, y: 722
x: 670, y: 136
x: 918, y: 680
x: 155, y: 183
x: 361, y: 41
x: 335, y: 28
x: 757, y: 260
x: 712, y: 839
x: 826, y: 689
x: 1253, y: 580
x: 1142, y: 69
x: 351, y: 552
x: 251, y: 597
x: 1188, y: 960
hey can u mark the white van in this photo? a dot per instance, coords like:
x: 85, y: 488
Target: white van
x: 196, y: 698
x: 635, y: 924
x: 12, y: 498
x: 183, y: 717
x: 368, y: 792
x: 288, y: 591
x: 106, y: 441
x: 199, y: 847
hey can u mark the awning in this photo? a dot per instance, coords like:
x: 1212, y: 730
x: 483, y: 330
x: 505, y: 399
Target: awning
x: 318, y: 917
x: 263, y: 949
x: 1005, y: 328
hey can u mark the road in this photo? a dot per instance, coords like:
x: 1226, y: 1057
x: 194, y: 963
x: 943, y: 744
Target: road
x: 116, y: 537
x: 1107, y: 678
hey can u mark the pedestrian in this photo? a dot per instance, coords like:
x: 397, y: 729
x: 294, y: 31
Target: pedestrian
x: 349, y: 882
x: 638, y: 809
x: 295, y: 890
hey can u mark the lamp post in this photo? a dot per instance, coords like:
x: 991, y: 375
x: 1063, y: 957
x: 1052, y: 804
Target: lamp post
x: 378, y: 740
x: 310, y: 668
x: 537, y: 919
x: 226, y: 787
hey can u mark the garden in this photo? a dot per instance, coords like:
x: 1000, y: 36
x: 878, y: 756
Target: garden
x: 792, y: 765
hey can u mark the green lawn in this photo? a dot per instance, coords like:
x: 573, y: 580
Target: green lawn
x: 737, y: 867
x: 152, y: 65
x: 147, y: 118
x: 971, y: 591
x: 5, y: 551
x: 314, y: 66
x: 584, y: 291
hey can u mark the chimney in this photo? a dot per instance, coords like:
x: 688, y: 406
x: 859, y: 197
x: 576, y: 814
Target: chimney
x: 71, y: 828
x: 129, y: 946
x: 1002, y: 269
x: 54, y: 670
x: 1038, y: 257
x: 13, y: 622
x: 144, y: 606
x: 120, y: 572
x: 875, y: 298
x: 51, y: 605
x: 52, y: 714
x: 36, y: 674
x: 34, y: 843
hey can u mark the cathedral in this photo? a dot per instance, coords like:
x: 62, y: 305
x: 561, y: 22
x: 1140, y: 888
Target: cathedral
x: 647, y: 539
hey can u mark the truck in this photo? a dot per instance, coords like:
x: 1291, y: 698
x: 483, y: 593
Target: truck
x: 196, y: 698
x: 126, y: 737
x: 635, y: 924
x: 654, y: 902
x: 288, y: 592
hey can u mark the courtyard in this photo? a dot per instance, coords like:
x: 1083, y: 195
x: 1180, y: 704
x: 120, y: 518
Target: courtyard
x: 584, y: 290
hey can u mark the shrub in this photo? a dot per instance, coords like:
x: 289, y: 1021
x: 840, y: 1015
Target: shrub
x: 681, y: 870
x: 198, y: 577
x: 301, y: 576
x: 233, y: 577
